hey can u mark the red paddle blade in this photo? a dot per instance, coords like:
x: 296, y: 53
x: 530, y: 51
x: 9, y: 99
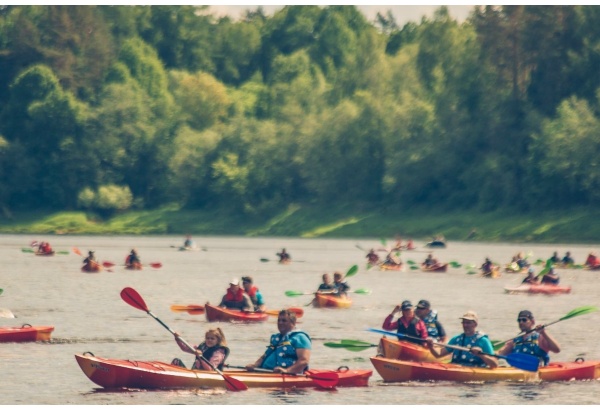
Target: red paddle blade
x: 297, y: 310
x: 156, y: 265
x: 108, y: 264
x: 132, y: 298
x: 326, y: 379
x: 76, y: 251
x: 234, y: 384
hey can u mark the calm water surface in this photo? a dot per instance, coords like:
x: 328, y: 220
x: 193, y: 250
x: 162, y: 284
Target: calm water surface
x: 89, y: 315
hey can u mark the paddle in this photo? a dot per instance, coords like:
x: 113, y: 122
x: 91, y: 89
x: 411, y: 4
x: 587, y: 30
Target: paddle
x: 1, y: 291
x: 191, y: 309
x: 133, y: 298
x: 6, y: 313
x: 352, y: 345
x: 324, y: 379
x: 76, y: 251
x: 108, y: 264
x: 273, y: 260
x: 583, y: 310
x: 522, y: 361
x: 292, y: 293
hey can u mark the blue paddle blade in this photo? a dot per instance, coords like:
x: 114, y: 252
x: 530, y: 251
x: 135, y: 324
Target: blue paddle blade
x: 523, y: 361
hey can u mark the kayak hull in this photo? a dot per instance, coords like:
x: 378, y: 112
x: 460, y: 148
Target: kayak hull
x: 435, y: 244
x: 403, y: 350
x: 330, y: 301
x: 115, y: 373
x: 386, y: 266
x: 441, y: 268
x: 134, y: 266
x: 51, y: 253
x: 217, y: 314
x: 92, y: 269
x: 25, y: 334
x: 539, y: 289
x: 392, y: 370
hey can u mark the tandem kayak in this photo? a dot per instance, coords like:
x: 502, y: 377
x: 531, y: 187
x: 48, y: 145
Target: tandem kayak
x: 403, y: 350
x: 323, y: 300
x: 25, y: 333
x: 218, y: 314
x: 392, y: 370
x: 439, y: 268
x: 136, y: 374
x: 545, y: 289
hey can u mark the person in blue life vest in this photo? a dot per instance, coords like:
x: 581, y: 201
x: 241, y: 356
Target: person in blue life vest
x: 407, y: 324
x: 340, y: 287
x: 555, y: 258
x: 327, y: 286
x: 214, y: 349
x: 476, y: 341
x: 252, y: 291
x: 535, y: 340
x: 288, y: 351
x: 435, y: 329
x: 189, y: 243
x: 568, y: 260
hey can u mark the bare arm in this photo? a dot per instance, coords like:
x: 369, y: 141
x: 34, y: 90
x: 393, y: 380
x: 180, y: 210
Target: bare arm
x: 299, y: 366
x: 547, y: 342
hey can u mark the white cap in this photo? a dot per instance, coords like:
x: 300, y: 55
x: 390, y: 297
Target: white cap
x: 235, y: 282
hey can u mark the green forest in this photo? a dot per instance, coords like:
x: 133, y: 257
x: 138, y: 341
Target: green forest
x: 105, y: 109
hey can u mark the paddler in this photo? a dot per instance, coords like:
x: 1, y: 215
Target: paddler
x: 435, y: 329
x: 236, y: 298
x: 340, y: 287
x: 252, y: 291
x: 408, y: 324
x: 214, y: 349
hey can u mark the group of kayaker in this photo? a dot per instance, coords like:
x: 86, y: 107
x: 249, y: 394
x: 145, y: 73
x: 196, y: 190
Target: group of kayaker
x: 246, y: 298
x: 416, y: 325
x: 132, y: 261
x: 338, y: 287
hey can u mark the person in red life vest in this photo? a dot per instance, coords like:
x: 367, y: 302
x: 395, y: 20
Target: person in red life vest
x: 44, y: 247
x: 408, y: 324
x: 372, y: 257
x: 133, y: 260
x: 410, y: 245
x: 236, y: 298
x: 252, y: 291
x: 592, y: 260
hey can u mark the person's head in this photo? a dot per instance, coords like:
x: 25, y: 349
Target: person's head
x: 568, y: 253
x: 214, y: 337
x: 286, y: 321
x: 555, y: 254
x: 234, y: 284
x: 430, y: 256
x: 91, y: 253
x: 247, y: 282
x: 423, y: 308
x: 530, y: 271
x: 469, y: 322
x: 487, y: 260
x: 525, y: 320
x: 134, y: 251
x: 407, y: 308
x: 337, y: 277
x: 326, y: 278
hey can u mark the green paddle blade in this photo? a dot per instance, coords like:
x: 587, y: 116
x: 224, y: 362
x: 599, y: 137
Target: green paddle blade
x: 497, y: 344
x: 471, y: 272
x: 579, y: 311
x: 455, y: 264
x: 383, y: 241
x: 414, y: 267
x: 352, y: 271
x: 357, y: 342
x: 471, y: 266
x: 295, y: 293
x: 27, y: 250
x: 62, y: 252
x: 362, y: 291
x: 352, y: 348
x: 1, y: 291
x: 411, y: 262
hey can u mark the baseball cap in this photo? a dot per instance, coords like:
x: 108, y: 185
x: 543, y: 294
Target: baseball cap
x: 526, y: 313
x: 235, y: 282
x: 247, y: 279
x: 423, y: 304
x: 470, y: 315
x: 406, y: 305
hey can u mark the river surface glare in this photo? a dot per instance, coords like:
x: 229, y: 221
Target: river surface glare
x: 89, y: 315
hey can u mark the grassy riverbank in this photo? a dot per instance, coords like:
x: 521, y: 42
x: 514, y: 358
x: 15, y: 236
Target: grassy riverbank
x: 573, y: 226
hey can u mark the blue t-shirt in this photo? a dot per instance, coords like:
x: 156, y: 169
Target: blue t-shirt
x: 259, y: 298
x: 275, y: 358
x: 467, y: 358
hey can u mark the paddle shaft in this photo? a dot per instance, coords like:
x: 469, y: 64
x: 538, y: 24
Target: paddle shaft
x: 261, y: 370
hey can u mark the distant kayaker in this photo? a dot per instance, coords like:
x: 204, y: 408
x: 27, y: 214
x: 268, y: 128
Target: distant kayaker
x: 530, y: 279
x: 252, y: 291
x: 90, y: 263
x: 188, y: 243
x: 133, y: 260
x: 214, y: 349
x: 288, y: 351
x: 551, y: 277
x: 372, y: 257
x: 471, y: 338
x: 410, y: 245
x: 592, y: 260
x: 340, y: 286
x: 284, y: 256
x: 567, y: 260
x: 236, y: 298
x: 327, y: 286
x: 44, y: 248
x: 408, y: 324
x: 522, y: 260
x: 487, y: 267
x: 430, y: 262
x: 536, y: 341
x: 392, y: 260
x: 555, y: 258
x: 435, y: 329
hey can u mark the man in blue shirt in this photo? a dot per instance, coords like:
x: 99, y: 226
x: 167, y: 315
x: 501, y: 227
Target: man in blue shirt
x: 289, y: 350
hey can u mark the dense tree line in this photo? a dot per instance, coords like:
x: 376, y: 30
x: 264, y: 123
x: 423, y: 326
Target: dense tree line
x: 111, y: 107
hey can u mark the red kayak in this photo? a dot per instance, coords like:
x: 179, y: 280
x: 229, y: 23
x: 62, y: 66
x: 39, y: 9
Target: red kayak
x: 116, y: 373
x: 51, y: 253
x: 25, y: 333
x: 217, y: 314
x: 435, y: 268
x: 545, y: 289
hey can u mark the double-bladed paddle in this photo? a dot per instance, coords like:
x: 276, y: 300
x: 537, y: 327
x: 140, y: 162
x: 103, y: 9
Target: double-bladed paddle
x: 292, y: 293
x: 155, y: 265
x: 133, y: 298
x: 522, y: 361
x: 199, y: 310
x: 27, y: 250
x: 583, y: 310
x: 323, y: 379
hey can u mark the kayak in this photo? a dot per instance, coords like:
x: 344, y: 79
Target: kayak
x: 392, y: 370
x: 597, y: 267
x: 545, y: 289
x: 25, y: 333
x: 51, y: 253
x: 389, y: 266
x: 436, y: 244
x: 218, y: 314
x: 136, y: 374
x: 514, y: 268
x: 92, y: 269
x: 323, y: 300
x: 439, y: 268
x: 189, y: 248
x: 134, y: 266
x: 403, y: 350
x: 494, y: 274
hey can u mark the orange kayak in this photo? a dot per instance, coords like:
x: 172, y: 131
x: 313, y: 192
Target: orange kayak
x: 387, y: 266
x: 26, y: 333
x: 403, y: 350
x: 392, y: 370
x: 324, y: 300
x: 92, y: 268
x: 134, y: 266
x: 51, y: 253
x: 116, y: 373
x: 217, y: 314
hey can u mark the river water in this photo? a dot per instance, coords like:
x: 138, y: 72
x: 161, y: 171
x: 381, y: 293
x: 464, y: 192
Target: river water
x: 89, y: 315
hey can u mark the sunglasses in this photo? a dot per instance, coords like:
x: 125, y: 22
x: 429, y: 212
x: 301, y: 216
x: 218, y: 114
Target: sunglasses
x: 522, y: 319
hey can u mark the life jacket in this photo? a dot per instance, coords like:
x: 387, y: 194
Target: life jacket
x: 411, y: 330
x: 467, y: 358
x: 252, y: 294
x: 430, y: 323
x: 282, y: 348
x: 529, y: 344
x: 207, y: 353
x: 237, y: 297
